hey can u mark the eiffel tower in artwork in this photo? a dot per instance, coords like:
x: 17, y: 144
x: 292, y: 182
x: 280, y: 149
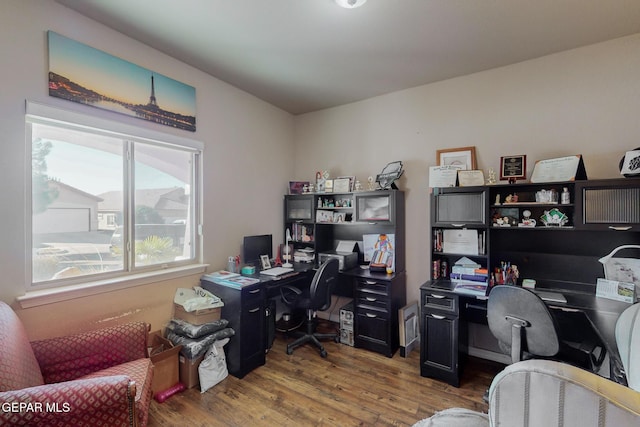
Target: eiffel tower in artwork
x: 152, y: 98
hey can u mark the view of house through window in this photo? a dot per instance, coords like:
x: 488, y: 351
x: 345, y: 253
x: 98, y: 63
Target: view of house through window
x: 103, y: 204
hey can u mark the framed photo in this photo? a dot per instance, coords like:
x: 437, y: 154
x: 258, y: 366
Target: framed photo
x: 264, y: 260
x: 463, y: 156
x: 513, y: 167
x: 341, y: 185
x: 328, y: 186
x: 352, y: 182
x: 296, y: 187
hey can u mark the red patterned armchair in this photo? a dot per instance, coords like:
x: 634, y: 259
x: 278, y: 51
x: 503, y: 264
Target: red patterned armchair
x: 99, y: 378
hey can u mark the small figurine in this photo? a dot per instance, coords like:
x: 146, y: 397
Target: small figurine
x: 492, y: 177
x: 497, y: 199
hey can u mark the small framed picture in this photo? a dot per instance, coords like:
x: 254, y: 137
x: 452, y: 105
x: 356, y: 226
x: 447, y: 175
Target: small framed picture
x: 463, y: 156
x: 470, y: 178
x: 341, y: 185
x: 264, y: 260
x: 328, y: 186
x: 352, y: 182
x: 513, y: 167
x: 297, y: 187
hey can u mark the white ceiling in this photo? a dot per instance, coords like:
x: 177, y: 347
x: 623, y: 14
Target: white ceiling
x: 306, y: 55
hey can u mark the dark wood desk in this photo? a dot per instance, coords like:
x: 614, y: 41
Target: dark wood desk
x: 249, y: 315
x: 446, y: 313
x: 377, y: 298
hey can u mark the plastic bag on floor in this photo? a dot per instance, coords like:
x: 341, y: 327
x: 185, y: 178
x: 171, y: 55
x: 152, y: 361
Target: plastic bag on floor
x: 213, y: 367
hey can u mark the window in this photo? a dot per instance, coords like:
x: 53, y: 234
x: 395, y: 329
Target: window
x: 106, y: 203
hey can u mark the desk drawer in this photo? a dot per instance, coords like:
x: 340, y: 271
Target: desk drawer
x: 372, y: 286
x: 442, y: 301
x: 372, y: 295
x: 373, y: 326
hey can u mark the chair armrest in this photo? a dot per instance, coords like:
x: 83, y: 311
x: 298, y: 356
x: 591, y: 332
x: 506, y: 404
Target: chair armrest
x: 549, y: 393
x: 70, y: 357
x: 111, y: 398
x: 289, y: 294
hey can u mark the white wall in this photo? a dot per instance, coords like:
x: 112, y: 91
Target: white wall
x: 584, y: 101
x: 247, y: 158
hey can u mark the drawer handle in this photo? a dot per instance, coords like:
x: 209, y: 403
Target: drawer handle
x: 371, y: 315
x: 458, y: 225
x: 436, y: 316
x: 254, y: 310
x: 438, y: 296
x: 254, y: 291
x: 371, y: 299
x: 369, y: 282
x: 619, y: 228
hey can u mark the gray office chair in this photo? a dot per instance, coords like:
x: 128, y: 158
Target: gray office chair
x: 628, y: 340
x: 525, y: 328
x: 316, y: 298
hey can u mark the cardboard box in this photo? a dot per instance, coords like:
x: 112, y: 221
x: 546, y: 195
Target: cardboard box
x: 189, y: 375
x: 164, y: 356
x: 196, y: 317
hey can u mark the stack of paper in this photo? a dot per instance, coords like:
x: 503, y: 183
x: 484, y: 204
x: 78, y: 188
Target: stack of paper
x: 469, y: 277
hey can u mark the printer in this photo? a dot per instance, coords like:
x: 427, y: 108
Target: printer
x: 346, y: 253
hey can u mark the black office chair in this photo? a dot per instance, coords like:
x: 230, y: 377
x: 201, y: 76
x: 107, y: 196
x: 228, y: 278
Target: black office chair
x: 316, y: 298
x: 526, y: 329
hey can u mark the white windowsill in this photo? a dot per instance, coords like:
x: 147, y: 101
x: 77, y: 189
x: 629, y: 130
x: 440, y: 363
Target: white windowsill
x: 65, y: 293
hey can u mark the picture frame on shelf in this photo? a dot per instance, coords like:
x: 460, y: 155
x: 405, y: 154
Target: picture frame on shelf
x: 328, y: 186
x: 513, y: 168
x: 352, y: 182
x: 464, y: 156
x: 297, y: 187
x: 341, y: 185
x: 470, y: 178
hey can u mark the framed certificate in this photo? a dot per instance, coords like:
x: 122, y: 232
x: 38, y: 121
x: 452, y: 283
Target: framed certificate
x: 470, y: 178
x: 513, y: 167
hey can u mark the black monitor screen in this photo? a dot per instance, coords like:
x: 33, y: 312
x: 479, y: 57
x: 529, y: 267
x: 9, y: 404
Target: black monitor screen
x: 254, y: 246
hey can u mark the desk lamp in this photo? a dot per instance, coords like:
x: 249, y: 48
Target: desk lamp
x: 287, y: 257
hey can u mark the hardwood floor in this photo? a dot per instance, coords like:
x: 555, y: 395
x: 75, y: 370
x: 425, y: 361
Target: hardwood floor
x: 351, y: 387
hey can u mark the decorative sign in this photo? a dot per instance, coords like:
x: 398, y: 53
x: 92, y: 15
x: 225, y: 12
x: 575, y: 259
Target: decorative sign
x: 389, y: 174
x: 630, y: 164
x: 561, y: 169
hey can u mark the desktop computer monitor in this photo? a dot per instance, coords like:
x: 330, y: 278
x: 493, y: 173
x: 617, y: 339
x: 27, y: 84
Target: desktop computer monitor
x: 254, y: 246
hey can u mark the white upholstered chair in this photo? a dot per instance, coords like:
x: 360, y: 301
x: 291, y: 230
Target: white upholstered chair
x: 545, y: 393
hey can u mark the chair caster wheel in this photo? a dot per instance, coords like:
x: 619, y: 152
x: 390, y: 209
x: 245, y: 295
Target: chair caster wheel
x: 289, y: 351
x: 323, y: 353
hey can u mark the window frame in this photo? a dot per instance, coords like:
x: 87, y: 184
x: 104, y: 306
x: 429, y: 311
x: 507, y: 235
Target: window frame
x: 130, y: 275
